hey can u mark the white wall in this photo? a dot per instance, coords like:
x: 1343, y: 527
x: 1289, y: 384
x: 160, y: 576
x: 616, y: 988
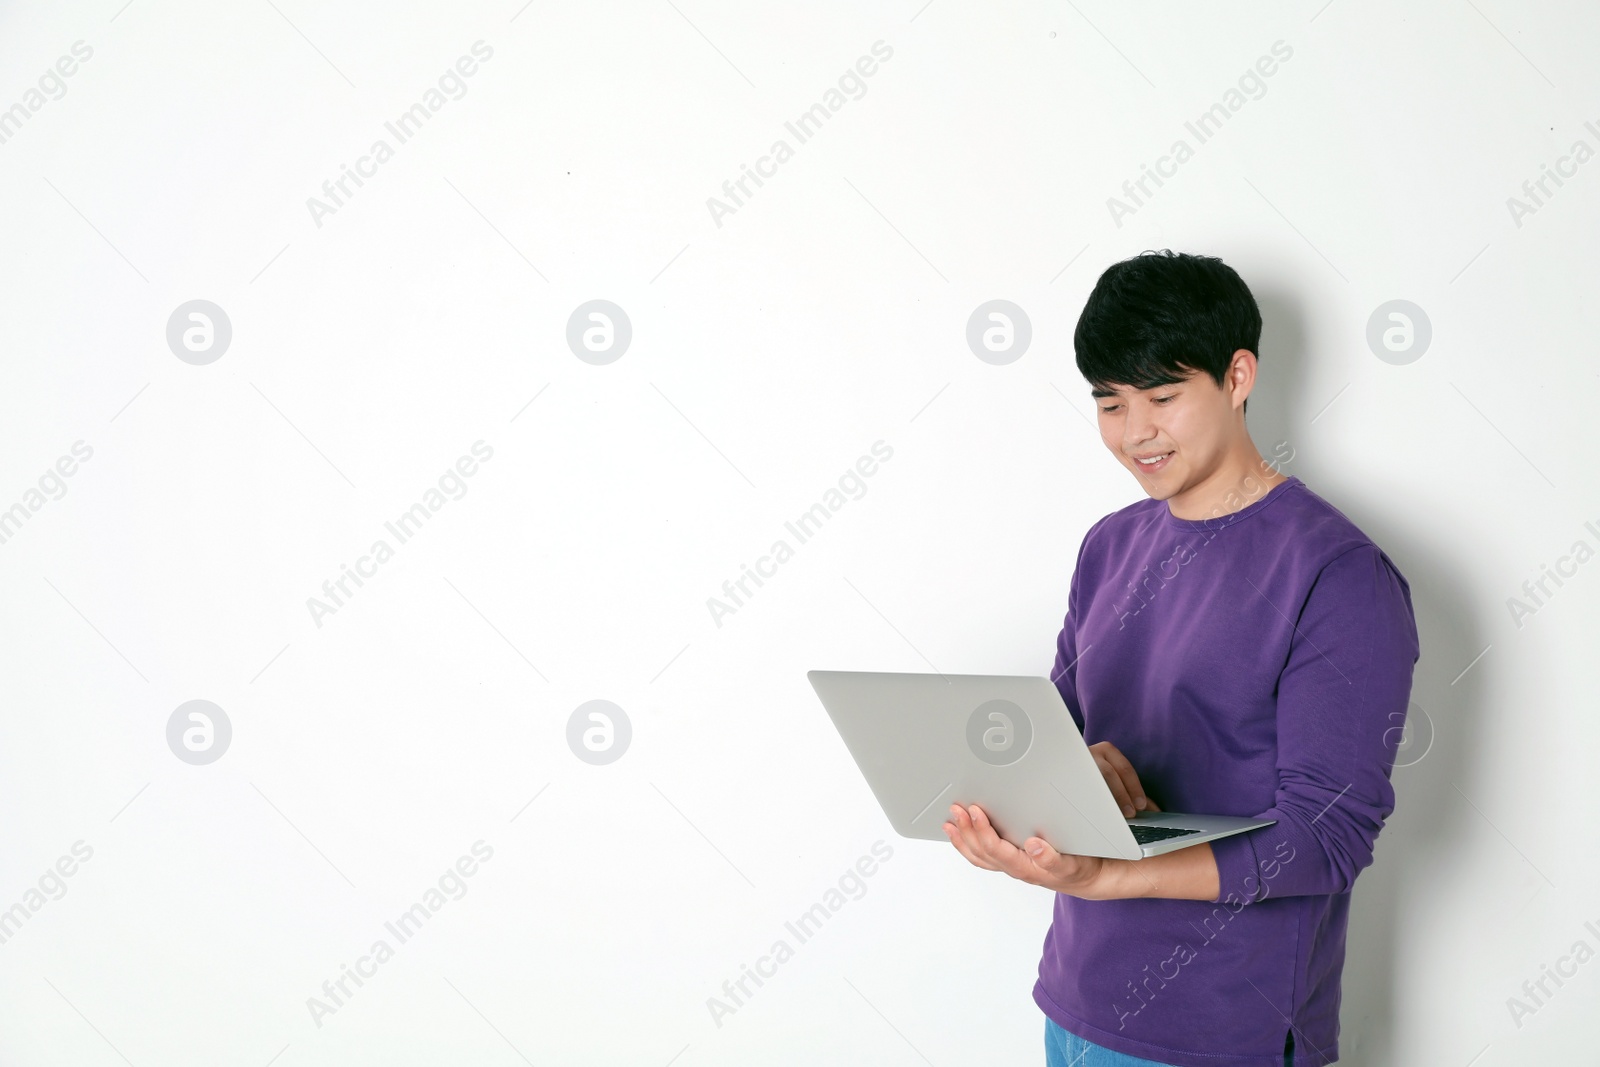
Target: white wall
x: 768, y: 353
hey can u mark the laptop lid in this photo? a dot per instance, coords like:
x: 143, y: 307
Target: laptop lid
x: 1004, y: 742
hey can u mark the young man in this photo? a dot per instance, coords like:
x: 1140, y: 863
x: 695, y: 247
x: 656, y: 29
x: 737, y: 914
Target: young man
x: 1233, y: 645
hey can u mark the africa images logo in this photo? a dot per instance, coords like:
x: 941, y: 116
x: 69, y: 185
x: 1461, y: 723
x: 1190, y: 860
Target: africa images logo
x: 999, y: 732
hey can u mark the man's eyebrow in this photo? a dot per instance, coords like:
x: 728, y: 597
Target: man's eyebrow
x: 1100, y: 391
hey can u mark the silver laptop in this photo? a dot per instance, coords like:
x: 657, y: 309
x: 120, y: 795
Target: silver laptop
x: 1005, y: 743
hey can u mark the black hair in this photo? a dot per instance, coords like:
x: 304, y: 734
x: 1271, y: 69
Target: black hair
x: 1158, y: 316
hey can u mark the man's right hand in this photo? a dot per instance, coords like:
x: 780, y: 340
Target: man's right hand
x: 1122, y: 779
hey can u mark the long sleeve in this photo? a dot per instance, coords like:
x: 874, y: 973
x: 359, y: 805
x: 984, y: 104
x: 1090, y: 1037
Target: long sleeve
x: 1341, y: 704
x: 1065, y: 672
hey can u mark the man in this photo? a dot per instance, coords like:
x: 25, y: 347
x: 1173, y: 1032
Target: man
x: 1233, y: 645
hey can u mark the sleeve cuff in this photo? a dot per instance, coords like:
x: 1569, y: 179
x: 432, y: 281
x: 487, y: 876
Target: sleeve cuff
x: 1238, y: 868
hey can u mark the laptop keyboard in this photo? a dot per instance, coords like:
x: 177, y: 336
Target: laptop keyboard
x: 1145, y: 835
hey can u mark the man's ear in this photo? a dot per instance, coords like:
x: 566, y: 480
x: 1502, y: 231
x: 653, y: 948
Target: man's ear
x: 1242, y: 375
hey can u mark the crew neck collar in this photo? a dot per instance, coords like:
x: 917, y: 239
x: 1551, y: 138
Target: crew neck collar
x: 1220, y: 521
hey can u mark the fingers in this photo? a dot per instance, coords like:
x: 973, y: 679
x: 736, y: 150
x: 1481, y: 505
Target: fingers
x: 960, y: 831
x: 1121, y: 778
x: 973, y: 840
x: 1106, y: 758
x: 975, y: 837
x: 996, y: 850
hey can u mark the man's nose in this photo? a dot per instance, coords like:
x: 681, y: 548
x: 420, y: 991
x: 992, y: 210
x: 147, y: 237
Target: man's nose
x: 1139, y: 427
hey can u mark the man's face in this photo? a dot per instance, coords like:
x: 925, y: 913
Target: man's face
x: 1186, y: 426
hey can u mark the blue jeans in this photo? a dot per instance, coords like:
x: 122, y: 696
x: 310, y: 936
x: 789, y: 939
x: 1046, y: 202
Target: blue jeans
x: 1062, y: 1048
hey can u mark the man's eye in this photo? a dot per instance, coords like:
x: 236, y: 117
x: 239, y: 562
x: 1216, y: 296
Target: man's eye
x: 1164, y: 399
x: 1110, y: 409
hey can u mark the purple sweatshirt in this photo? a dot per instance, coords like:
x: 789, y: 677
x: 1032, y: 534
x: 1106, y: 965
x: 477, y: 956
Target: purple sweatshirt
x: 1258, y: 663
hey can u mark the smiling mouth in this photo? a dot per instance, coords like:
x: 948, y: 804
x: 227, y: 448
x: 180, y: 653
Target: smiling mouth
x: 1154, y: 463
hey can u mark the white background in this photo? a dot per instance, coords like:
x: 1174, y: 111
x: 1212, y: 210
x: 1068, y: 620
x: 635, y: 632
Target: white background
x: 768, y: 354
